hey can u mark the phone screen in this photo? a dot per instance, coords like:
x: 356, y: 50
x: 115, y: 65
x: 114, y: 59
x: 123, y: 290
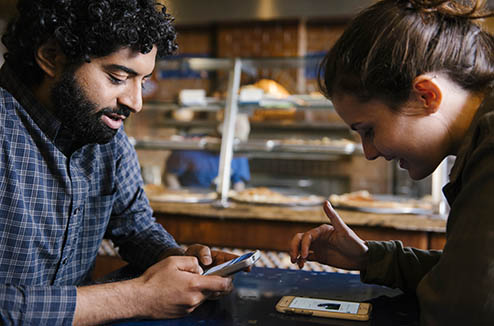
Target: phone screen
x: 228, y: 263
x: 325, y: 305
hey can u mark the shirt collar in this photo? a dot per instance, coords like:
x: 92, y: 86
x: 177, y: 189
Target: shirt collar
x: 46, y: 121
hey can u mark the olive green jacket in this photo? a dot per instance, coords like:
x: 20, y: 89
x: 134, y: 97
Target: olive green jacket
x: 454, y: 286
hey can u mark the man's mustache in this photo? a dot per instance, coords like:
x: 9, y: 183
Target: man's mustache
x: 122, y: 110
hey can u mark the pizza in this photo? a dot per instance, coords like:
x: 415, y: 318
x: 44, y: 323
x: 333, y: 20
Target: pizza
x: 162, y: 194
x: 266, y: 196
x: 363, y: 199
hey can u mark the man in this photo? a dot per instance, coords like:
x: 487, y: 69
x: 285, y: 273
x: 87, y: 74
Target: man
x: 73, y: 73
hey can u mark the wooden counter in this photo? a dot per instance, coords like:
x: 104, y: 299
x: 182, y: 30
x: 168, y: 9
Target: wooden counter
x: 271, y: 227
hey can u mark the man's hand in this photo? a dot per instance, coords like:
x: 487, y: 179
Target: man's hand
x: 208, y: 257
x: 175, y: 287
x: 171, y: 288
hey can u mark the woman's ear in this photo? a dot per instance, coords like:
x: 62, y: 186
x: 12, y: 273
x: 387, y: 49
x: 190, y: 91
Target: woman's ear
x: 48, y: 57
x: 428, y: 93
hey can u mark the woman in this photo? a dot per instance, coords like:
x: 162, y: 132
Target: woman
x: 414, y: 79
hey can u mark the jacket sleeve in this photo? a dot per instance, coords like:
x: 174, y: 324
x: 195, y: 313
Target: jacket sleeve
x: 396, y: 266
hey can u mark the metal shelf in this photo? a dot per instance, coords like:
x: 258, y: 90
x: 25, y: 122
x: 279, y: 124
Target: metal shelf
x: 215, y: 105
x: 206, y: 124
x: 212, y: 64
x: 257, y: 146
x: 295, y: 125
x: 173, y: 106
x: 208, y: 64
x: 316, y: 126
x: 158, y: 144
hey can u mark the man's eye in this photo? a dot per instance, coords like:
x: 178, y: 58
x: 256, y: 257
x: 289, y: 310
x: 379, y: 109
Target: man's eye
x: 116, y: 80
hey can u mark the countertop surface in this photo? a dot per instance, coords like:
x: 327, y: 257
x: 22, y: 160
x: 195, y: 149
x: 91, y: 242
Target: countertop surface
x: 312, y: 214
x: 254, y: 298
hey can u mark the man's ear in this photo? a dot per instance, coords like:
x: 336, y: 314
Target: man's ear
x: 48, y: 57
x: 428, y: 93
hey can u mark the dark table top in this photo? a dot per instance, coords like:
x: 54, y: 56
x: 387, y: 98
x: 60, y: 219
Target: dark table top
x: 256, y: 294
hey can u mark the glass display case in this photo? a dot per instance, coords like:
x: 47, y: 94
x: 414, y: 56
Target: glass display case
x: 282, y: 127
x: 298, y: 126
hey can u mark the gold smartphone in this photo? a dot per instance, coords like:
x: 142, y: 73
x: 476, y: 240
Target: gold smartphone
x: 324, y: 308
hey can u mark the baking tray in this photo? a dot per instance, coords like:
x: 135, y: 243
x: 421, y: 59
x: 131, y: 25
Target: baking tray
x: 185, y: 200
x: 387, y: 210
x: 183, y: 144
x: 314, y: 202
x: 303, y: 148
x: 376, y: 210
x: 260, y: 145
x: 190, y: 195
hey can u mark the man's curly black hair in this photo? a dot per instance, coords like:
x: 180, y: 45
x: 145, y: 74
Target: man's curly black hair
x: 85, y: 29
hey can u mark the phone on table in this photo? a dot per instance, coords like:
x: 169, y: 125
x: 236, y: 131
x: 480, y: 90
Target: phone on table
x: 235, y: 265
x: 324, y: 308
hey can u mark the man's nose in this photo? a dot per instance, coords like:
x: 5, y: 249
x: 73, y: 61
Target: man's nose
x: 370, y: 151
x: 132, y: 97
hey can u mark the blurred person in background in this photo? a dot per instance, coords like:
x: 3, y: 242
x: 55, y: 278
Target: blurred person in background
x: 191, y: 168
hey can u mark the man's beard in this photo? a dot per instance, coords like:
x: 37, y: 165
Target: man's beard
x: 79, y: 114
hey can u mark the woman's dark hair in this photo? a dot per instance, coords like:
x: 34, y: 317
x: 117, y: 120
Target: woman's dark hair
x: 85, y: 29
x: 392, y: 42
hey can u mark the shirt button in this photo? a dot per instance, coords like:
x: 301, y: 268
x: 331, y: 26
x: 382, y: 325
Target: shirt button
x: 64, y: 261
x: 76, y: 211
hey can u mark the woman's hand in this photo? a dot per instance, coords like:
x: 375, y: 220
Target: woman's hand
x: 336, y: 244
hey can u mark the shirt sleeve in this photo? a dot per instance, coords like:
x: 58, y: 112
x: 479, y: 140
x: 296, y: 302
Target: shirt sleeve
x: 37, y: 305
x: 177, y: 162
x: 240, y: 169
x: 132, y: 227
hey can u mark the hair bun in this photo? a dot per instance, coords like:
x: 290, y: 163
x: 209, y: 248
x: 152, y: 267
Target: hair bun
x: 471, y: 9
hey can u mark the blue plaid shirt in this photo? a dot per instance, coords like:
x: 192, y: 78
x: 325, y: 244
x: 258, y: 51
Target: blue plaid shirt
x: 57, y: 202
